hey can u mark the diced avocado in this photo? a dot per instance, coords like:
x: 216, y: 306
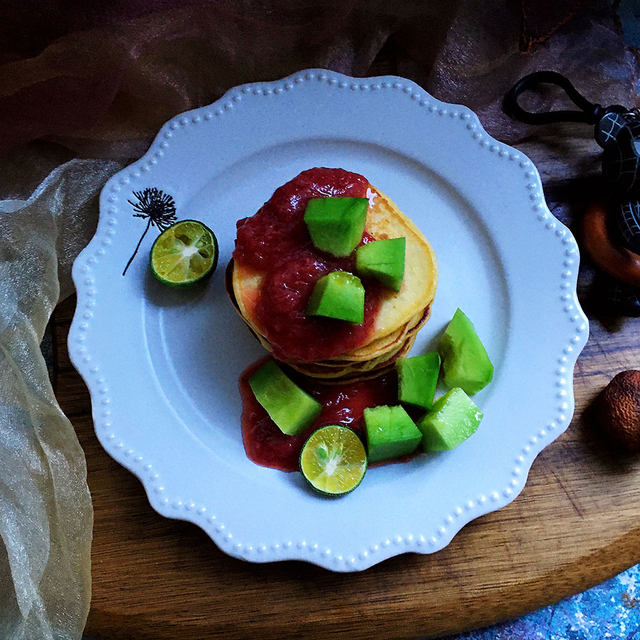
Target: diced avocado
x: 383, y: 260
x: 465, y: 362
x: 418, y: 378
x: 391, y: 433
x: 291, y: 408
x: 336, y: 224
x: 338, y: 295
x: 452, y: 419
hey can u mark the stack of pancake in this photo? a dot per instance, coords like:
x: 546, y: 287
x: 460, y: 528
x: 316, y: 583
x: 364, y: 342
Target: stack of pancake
x: 400, y: 315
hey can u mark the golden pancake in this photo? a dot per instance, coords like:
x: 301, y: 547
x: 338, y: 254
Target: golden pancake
x: 355, y: 373
x: 398, y: 313
x: 354, y: 363
x: 383, y: 345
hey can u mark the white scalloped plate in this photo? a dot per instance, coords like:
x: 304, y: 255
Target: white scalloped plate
x: 162, y: 365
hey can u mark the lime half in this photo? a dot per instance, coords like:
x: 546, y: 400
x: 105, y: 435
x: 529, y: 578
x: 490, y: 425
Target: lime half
x: 333, y: 460
x: 185, y: 253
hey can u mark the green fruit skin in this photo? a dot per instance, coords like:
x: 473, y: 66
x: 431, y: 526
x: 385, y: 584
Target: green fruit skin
x: 418, y: 379
x: 453, y: 418
x: 338, y: 295
x: 291, y: 408
x: 391, y: 433
x: 336, y: 225
x: 383, y: 260
x: 465, y: 362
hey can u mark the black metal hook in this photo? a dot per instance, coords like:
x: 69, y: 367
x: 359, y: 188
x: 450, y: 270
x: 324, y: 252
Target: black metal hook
x: 590, y: 112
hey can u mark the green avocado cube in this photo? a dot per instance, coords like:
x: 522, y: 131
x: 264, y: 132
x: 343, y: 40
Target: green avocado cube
x: 383, y: 260
x: 336, y: 225
x: 418, y: 378
x: 452, y: 419
x: 338, y: 295
x: 465, y: 362
x: 391, y: 433
x: 291, y: 408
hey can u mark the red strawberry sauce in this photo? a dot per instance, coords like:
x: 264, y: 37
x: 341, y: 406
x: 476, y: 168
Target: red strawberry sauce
x: 342, y: 403
x: 275, y: 241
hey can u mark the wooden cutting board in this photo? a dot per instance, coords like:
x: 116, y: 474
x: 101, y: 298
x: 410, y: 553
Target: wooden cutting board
x: 576, y: 523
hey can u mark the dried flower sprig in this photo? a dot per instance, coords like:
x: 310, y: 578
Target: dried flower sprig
x: 157, y: 207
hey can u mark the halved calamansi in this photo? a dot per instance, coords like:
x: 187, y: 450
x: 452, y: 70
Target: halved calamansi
x: 333, y: 460
x: 185, y: 253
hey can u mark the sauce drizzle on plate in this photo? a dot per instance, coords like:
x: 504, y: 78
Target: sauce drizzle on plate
x: 342, y: 403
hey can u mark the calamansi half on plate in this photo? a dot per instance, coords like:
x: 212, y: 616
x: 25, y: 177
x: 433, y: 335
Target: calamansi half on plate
x: 185, y: 253
x: 333, y: 460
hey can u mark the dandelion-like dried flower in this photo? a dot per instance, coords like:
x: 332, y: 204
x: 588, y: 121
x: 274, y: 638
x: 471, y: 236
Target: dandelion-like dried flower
x: 157, y: 207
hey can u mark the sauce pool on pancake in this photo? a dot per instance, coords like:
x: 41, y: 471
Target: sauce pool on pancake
x: 275, y: 241
x: 278, y: 228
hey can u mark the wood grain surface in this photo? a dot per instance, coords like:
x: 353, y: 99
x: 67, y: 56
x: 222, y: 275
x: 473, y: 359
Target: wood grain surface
x: 575, y: 524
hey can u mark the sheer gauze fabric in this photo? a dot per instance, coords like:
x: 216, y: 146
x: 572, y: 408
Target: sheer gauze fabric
x: 82, y: 94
